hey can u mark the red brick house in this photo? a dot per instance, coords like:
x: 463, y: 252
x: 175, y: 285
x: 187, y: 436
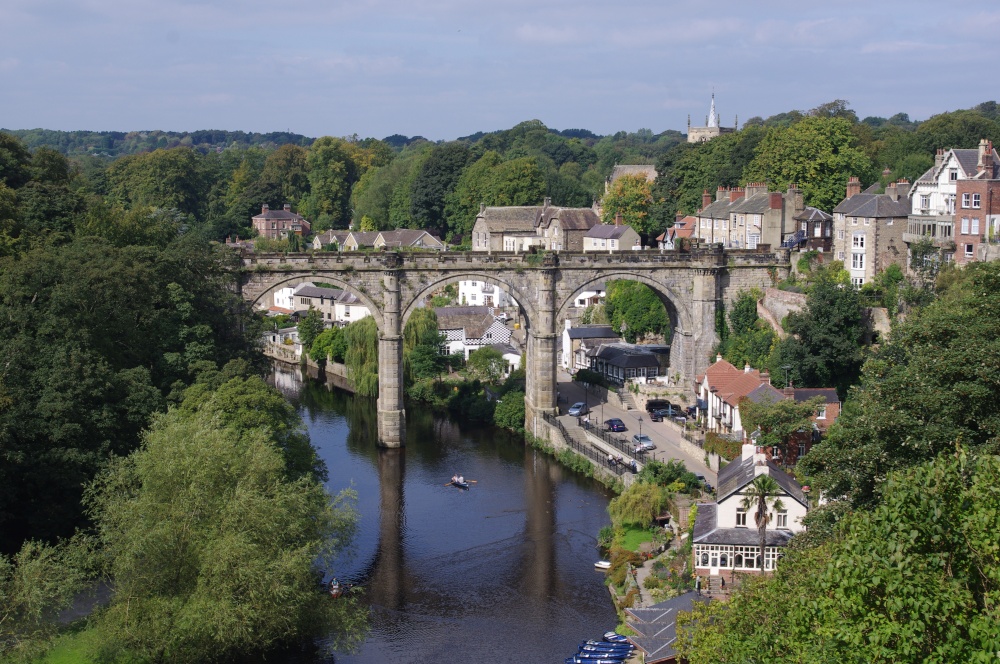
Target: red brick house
x: 977, y: 213
x: 275, y: 224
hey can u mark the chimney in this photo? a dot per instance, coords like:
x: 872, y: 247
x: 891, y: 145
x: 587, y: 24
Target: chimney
x: 789, y: 391
x: 482, y: 209
x: 853, y: 186
x: 754, y: 188
x: 548, y: 201
x: 891, y: 191
x: 618, y: 218
x: 722, y: 193
x: 735, y: 194
x: 903, y: 188
x: 747, y: 451
x: 288, y: 207
x: 775, y: 200
x: 985, y: 157
x: 794, y: 201
x: 747, y: 368
x: 264, y: 208
x: 765, y: 377
x: 706, y: 199
x: 718, y: 357
x: 939, y: 157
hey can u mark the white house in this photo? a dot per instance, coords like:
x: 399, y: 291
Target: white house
x: 721, y: 387
x: 467, y: 329
x: 578, y: 342
x: 510, y: 355
x: 348, y: 308
x: 726, y: 539
x: 481, y: 293
x: 591, y: 296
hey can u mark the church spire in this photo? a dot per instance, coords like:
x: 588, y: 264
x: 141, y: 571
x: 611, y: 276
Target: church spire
x: 713, y: 117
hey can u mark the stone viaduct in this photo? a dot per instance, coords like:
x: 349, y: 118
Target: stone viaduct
x: 692, y: 285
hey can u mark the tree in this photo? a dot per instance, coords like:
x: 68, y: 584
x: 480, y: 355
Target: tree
x: 288, y: 168
x: 195, y: 525
x: 635, y: 310
x: 487, y: 364
x: 818, y: 153
x: 14, y: 162
x: 421, y: 345
x: 509, y: 412
x: 332, y: 172
x: 779, y: 422
x: 762, y: 494
x: 435, y: 180
x: 630, y: 196
x: 167, y: 179
x: 750, y: 340
x: 361, y: 338
x: 309, y: 328
x: 638, y: 505
x: 329, y: 345
x: 492, y: 181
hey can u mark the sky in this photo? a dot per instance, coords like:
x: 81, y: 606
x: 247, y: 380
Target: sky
x: 448, y: 68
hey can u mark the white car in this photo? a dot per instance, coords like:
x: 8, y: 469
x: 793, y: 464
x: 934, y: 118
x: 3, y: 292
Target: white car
x: 643, y: 442
x: 577, y: 409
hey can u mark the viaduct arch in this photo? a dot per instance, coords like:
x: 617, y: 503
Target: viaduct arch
x: 693, y: 286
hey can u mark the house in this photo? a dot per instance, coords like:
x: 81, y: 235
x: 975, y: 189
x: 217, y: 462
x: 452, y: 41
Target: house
x: 711, y: 129
x: 869, y: 229
x: 482, y: 293
x: 511, y: 356
x: 655, y: 626
x: 274, y: 224
x: 721, y: 387
x: 726, y: 540
x: 510, y: 228
x: 327, y: 238
x: 308, y: 296
x: 348, y: 308
x: 977, y: 222
x: 407, y: 238
x: 622, y: 362
x: 578, y: 342
x: 611, y: 238
x: 519, y: 228
x: 750, y: 216
x: 591, y: 296
x: 801, y: 443
x: 684, y: 227
x: 360, y: 240
x: 467, y: 329
x: 815, y: 231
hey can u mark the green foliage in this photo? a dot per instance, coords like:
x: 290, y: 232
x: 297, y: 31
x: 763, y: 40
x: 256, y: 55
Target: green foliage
x: 310, y: 327
x: 591, y: 378
x: 911, y: 580
x: 670, y: 474
x: 818, y: 153
x: 748, y: 339
x: 638, y: 505
x: 487, y: 364
x: 361, y: 338
x: 329, y: 345
x: 933, y: 383
x: 435, y: 180
x: 727, y: 448
x: 167, y: 179
x: 195, y: 524
x: 492, y: 181
x: 575, y: 462
x: 780, y: 421
x: 631, y: 197
x: 509, y: 412
x: 331, y: 172
x: 35, y: 584
x: 636, y: 307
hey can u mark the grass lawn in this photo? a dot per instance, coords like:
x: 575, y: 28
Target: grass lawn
x: 71, y: 648
x: 633, y: 537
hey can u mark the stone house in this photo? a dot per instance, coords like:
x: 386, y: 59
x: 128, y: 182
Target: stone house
x: 801, y: 443
x: 359, y: 240
x: 518, y: 228
x: 580, y: 341
x: 407, y: 238
x: 721, y: 388
x: 327, y: 238
x: 726, y: 540
x: 611, y: 238
x: 744, y: 218
x: 482, y: 293
x: 814, y: 233
x: 711, y: 129
x: 869, y: 229
x: 684, y: 227
x: 276, y: 224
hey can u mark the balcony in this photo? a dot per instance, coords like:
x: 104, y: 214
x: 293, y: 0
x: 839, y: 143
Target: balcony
x: 939, y: 229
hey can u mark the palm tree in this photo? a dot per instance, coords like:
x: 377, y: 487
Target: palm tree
x: 764, y: 493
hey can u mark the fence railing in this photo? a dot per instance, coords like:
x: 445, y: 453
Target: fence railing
x: 589, y: 451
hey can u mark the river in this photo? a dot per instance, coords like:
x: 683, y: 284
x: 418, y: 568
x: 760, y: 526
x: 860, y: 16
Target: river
x: 502, y: 572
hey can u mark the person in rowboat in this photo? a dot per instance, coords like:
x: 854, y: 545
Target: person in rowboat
x: 461, y: 480
x: 454, y: 479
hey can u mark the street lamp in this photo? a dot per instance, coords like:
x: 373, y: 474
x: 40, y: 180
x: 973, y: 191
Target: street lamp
x: 786, y: 367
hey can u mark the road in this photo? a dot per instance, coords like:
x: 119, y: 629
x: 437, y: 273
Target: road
x: 663, y: 435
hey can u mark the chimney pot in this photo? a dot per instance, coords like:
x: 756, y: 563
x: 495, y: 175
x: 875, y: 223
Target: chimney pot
x: 747, y: 368
x: 718, y: 357
x: 853, y: 186
x: 264, y: 208
x: 766, y: 377
x: 288, y: 207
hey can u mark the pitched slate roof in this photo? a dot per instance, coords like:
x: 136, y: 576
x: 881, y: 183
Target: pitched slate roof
x: 813, y: 214
x: 316, y: 291
x: 874, y: 206
x: 570, y: 219
x: 806, y: 393
x: 409, y: 237
x: 347, y: 297
x: 474, y: 320
x: 592, y: 332
x: 278, y: 215
x: 364, y: 238
x: 740, y: 472
x: 765, y: 393
x: 329, y: 237
x: 707, y: 531
x: 717, y: 210
x: 510, y: 219
x: 756, y: 204
x: 629, y: 356
x: 656, y: 626
x: 608, y: 231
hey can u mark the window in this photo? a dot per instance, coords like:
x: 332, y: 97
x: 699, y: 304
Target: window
x: 305, y: 300
x: 952, y: 174
x: 925, y: 202
x: 840, y: 255
x: 949, y: 204
x: 859, y: 241
x: 802, y: 449
x: 821, y: 413
x: 965, y: 225
x: 968, y: 251
x: 868, y: 222
x: 805, y: 226
x: 738, y: 560
x: 741, y: 518
x: 854, y: 221
x: 817, y: 230
x: 966, y: 200
x: 975, y: 201
x: 857, y: 261
x: 857, y: 282
x: 752, y: 240
x: 782, y: 521
x: 975, y: 226
x: 723, y: 560
x: 840, y: 236
x: 704, y: 560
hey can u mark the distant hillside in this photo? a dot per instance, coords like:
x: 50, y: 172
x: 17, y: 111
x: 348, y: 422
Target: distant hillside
x: 119, y: 143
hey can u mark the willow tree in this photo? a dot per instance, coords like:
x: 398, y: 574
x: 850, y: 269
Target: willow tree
x: 638, y: 505
x: 362, y: 356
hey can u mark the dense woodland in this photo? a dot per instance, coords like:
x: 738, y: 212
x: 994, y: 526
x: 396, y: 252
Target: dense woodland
x: 124, y: 342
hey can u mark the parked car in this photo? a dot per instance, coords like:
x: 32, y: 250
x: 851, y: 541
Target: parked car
x: 704, y: 482
x: 615, y: 424
x: 578, y: 409
x: 656, y: 416
x: 657, y: 404
x: 643, y: 442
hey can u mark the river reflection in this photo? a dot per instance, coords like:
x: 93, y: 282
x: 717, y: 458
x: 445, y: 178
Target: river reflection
x: 501, y: 572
